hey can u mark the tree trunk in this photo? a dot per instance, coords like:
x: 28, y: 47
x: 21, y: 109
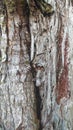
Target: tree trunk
x: 36, y: 66
x: 18, y: 104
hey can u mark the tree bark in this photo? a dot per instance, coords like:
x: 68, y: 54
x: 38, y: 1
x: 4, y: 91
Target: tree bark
x: 36, y: 66
x: 18, y: 104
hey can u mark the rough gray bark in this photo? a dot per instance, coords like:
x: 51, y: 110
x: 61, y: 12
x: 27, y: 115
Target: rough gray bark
x: 18, y: 104
x: 36, y: 66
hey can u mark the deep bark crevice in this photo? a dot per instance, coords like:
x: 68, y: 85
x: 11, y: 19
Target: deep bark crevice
x: 37, y: 95
x: 38, y: 104
x: 33, y: 71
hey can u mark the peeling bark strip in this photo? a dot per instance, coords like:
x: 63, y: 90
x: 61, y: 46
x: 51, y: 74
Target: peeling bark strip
x: 62, y: 72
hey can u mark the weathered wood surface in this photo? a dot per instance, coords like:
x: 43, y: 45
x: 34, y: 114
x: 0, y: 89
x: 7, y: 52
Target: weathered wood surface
x: 36, y: 66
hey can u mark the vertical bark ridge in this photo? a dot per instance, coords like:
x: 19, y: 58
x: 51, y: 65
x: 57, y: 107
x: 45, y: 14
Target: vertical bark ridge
x: 3, y: 62
x: 20, y: 88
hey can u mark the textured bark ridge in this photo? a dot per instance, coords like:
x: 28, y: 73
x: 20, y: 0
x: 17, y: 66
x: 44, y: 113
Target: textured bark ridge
x: 17, y: 98
x: 36, y: 66
x: 45, y: 8
x: 50, y: 59
x: 62, y: 88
